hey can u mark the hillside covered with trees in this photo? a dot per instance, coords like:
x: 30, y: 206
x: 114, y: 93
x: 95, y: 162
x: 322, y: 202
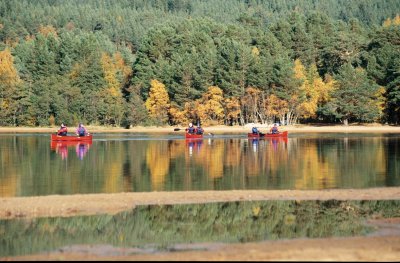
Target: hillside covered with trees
x: 160, y: 62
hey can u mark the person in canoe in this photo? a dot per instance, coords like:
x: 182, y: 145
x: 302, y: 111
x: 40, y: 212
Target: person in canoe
x: 81, y: 130
x: 274, y: 129
x: 199, y: 130
x: 63, y: 130
x: 255, y: 131
x: 191, y: 129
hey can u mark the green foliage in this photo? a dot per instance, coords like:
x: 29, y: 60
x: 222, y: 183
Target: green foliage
x: 190, y: 46
x: 354, y: 97
x: 383, y: 64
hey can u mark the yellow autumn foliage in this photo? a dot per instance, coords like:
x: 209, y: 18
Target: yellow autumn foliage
x: 8, y: 73
x: 178, y: 116
x: 255, y: 51
x: 232, y: 107
x: 313, y: 92
x: 110, y: 75
x: 328, y: 87
x: 275, y: 106
x: 158, y: 103
x: 380, y: 99
x: 8, y: 80
x: 191, y: 111
x: 46, y: 30
x: 210, y: 106
x: 121, y: 67
x: 389, y: 22
x: 396, y: 20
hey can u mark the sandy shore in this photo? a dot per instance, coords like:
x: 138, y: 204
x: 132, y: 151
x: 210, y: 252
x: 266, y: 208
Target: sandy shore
x: 383, y: 246
x: 353, y: 249
x: 92, y: 204
x: 367, y: 128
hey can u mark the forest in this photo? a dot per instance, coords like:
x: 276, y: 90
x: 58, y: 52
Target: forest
x: 169, y: 62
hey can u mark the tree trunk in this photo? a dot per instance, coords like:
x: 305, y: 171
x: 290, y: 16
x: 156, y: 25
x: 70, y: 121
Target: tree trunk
x: 241, y: 119
x: 282, y: 120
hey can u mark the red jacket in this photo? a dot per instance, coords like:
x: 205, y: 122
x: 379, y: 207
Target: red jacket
x: 62, y: 130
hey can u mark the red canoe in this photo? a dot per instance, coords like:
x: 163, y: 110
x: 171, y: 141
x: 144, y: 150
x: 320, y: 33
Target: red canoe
x: 193, y: 136
x: 268, y: 135
x: 55, y: 137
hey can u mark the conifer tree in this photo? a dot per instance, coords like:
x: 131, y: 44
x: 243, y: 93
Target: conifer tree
x: 355, y: 96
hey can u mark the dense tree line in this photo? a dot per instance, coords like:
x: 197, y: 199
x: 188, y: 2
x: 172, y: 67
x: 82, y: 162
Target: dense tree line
x: 131, y: 62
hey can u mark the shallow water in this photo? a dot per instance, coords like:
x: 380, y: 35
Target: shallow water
x: 31, y: 166
x: 150, y: 229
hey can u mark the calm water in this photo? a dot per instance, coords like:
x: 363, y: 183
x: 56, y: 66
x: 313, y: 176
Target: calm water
x: 151, y: 229
x: 31, y: 166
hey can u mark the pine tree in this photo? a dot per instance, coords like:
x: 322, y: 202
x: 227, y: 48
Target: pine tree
x: 355, y: 96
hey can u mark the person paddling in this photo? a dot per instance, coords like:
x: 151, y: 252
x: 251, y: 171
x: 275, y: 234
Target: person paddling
x: 63, y: 130
x: 255, y: 131
x: 81, y: 130
x: 274, y: 129
x: 190, y: 129
x: 199, y: 130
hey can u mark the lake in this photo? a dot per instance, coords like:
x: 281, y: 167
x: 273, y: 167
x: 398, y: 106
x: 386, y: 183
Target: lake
x: 30, y: 165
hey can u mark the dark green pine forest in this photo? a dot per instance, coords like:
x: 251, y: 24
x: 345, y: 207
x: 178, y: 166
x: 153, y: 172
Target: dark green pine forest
x: 167, y: 62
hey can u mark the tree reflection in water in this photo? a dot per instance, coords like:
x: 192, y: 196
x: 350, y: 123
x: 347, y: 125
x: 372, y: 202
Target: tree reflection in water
x: 162, y: 227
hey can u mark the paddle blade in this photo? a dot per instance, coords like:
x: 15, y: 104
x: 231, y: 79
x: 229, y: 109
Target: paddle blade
x: 177, y: 129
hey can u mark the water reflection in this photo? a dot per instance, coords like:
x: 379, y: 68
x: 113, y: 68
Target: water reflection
x: 160, y: 227
x: 194, y: 145
x: 62, y: 148
x: 274, y: 143
x: 139, y: 164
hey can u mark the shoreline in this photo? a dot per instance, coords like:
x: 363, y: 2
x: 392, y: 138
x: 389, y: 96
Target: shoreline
x: 298, y: 128
x: 111, y: 203
x: 382, y: 245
